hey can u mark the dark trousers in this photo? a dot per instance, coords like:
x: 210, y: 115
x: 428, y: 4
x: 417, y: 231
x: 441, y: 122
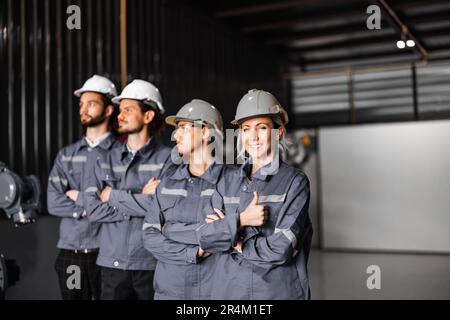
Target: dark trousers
x: 70, y: 266
x: 127, y: 284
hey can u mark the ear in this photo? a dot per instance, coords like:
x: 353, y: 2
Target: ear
x: 281, y: 132
x: 206, y: 133
x: 148, y: 116
x: 109, y: 110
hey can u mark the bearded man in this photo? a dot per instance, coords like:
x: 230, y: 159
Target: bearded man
x: 78, y: 274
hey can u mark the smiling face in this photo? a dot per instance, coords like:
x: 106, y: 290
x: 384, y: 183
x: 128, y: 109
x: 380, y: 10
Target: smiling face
x: 92, y: 109
x: 131, y: 119
x: 257, y: 135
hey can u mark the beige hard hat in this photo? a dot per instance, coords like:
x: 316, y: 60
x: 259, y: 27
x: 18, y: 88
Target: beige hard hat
x: 198, y: 110
x: 257, y: 103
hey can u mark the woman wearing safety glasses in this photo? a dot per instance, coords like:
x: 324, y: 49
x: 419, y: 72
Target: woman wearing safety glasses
x: 183, y: 200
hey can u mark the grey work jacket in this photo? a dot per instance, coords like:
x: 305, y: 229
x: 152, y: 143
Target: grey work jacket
x: 71, y: 169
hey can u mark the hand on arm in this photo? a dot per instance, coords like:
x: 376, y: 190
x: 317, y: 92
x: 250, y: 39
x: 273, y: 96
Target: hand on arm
x: 213, y: 217
x: 150, y: 187
x: 58, y: 202
x: 202, y: 254
x: 104, y: 196
x: 72, y: 194
x: 238, y: 246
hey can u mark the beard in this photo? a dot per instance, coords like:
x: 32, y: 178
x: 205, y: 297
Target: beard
x: 130, y: 131
x: 93, y: 121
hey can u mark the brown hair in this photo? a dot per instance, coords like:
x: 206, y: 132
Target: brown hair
x: 156, y: 126
x: 113, y: 124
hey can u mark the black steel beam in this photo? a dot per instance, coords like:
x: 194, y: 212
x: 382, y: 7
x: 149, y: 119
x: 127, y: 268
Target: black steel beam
x: 304, y: 21
x: 263, y: 7
x: 291, y: 35
x: 358, y: 57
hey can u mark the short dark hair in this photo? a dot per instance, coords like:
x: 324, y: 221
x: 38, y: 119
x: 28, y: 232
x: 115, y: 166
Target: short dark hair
x: 157, y: 125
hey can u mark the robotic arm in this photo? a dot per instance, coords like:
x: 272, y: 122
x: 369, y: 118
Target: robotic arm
x: 20, y: 199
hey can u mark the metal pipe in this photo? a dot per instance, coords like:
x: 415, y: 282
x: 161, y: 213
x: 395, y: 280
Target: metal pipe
x: 123, y: 43
x: 414, y: 88
x: 382, y: 67
x: 351, y: 97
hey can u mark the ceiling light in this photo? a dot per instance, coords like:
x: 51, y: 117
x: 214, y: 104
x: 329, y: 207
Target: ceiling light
x: 400, y: 44
x: 410, y: 43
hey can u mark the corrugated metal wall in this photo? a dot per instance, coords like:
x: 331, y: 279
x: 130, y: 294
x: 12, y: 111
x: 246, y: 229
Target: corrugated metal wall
x: 188, y: 55
x: 42, y: 62
x: 183, y: 52
x: 402, y: 94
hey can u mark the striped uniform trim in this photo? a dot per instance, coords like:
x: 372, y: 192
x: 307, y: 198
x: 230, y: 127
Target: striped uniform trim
x: 150, y: 167
x: 288, y: 234
x: 231, y: 200
x: 91, y: 189
x: 119, y: 168
x: 174, y: 192
x: 146, y: 226
x: 57, y: 179
x: 74, y: 158
x: 207, y: 192
x: 105, y: 166
x: 273, y: 198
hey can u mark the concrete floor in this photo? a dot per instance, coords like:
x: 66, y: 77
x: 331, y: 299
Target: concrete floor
x: 342, y: 275
x: 333, y: 275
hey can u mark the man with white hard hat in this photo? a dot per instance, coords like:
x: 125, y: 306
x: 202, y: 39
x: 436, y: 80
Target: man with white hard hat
x: 127, y: 267
x: 78, y: 238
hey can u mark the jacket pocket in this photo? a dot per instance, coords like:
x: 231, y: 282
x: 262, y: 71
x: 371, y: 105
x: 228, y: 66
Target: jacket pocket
x: 168, y: 210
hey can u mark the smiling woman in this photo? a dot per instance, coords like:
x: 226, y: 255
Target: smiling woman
x: 260, y: 139
x: 261, y: 235
x: 259, y: 136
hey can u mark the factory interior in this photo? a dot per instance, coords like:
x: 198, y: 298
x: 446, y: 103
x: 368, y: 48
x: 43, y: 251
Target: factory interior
x: 366, y: 85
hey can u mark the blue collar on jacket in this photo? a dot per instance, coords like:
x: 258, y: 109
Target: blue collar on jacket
x: 104, y: 144
x: 145, y: 151
x: 264, y: 172
x: 212, y: 174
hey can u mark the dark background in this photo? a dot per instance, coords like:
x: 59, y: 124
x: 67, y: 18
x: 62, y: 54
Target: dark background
x: 316, y: 54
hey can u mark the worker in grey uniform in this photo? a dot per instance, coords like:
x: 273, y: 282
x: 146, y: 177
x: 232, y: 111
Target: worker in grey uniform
x: 268, y: 259
x: 78, y: 237
x: 127, y: 268
x: 183, y: 199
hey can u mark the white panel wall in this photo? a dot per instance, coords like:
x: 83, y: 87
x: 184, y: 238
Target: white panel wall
x: 386, y: 186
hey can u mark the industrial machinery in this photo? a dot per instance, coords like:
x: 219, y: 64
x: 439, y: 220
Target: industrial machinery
x: 20, y: 199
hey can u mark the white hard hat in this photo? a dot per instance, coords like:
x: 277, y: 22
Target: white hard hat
x: 259, y: 103
x: 143, y: 91
x: 198, y: 110
x: 98, y: 84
